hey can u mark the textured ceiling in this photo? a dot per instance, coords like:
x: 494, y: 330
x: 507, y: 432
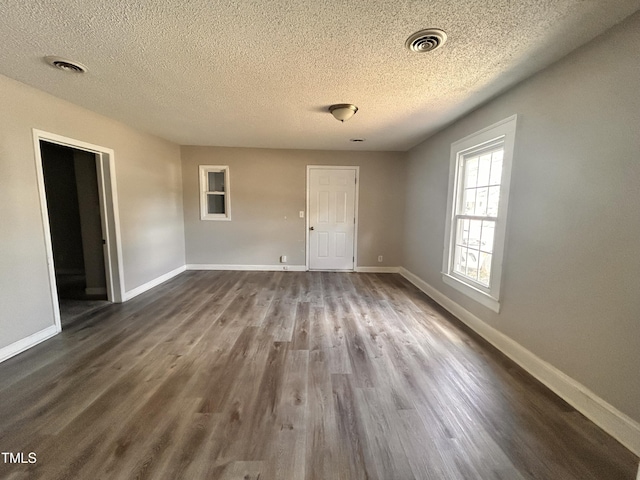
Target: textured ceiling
x: 261, y: 73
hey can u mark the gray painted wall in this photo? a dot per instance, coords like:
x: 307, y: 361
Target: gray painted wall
x: 570, y: 286
x: 148, y: 176
x: 269, y: 185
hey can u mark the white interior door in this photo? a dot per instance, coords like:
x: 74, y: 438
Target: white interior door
x: 332, y: 225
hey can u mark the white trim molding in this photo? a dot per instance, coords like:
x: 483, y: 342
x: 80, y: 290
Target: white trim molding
x: 109, y: 214
x: 25, y: 343
x: 280, y: 268
x: 378, y: 269
x: 479, y: 296
x: 203, y: 174
x: 256, y: 268
x: 606, y: 416
x: 153, y: 283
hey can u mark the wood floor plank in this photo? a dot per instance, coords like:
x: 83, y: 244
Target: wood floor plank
x: 189, y: 452
x: 311, y: 288
x: 380, y: 421
x: 360, y: 354
x: 156, y: 445
x: 322, y: 446
x: 280, y: 320
x: 288, y: 376
x: 301, y: 328
x: 355, y: 458
x: 287, y: 447
x: 249, y: 409
x: 332, y: 331
x: 244, y: 471
x: 430, y: 455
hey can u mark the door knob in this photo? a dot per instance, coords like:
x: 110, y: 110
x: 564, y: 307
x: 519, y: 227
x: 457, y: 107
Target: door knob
x: 311, y: 228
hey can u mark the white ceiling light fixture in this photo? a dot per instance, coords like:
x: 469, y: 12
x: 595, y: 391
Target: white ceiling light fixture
x: 66, y: 65
x: 343, y: 111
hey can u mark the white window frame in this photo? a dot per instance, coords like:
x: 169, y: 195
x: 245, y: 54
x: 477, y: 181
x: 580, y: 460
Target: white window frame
x: 204, y: 192
x: 504, y: 132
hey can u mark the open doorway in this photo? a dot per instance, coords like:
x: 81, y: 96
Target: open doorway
x: 75, y: 223
x: 79, y: 210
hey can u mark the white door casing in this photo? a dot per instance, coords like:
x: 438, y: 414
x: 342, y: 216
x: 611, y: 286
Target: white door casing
x: 331, y: 217
x: 109, y: 216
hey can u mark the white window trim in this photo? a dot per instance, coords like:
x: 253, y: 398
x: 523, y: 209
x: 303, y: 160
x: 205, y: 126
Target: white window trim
x: 489, y: 297
x: 204, y: 170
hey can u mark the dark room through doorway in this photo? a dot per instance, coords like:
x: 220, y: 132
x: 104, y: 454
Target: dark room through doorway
x: 76, y: 227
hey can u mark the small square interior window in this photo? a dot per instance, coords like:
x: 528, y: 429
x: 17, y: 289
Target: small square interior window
x: 214, y: 192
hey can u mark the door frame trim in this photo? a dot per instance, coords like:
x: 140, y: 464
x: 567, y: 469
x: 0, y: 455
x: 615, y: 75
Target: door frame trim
x: 356, y: 200
x: 108, y: 194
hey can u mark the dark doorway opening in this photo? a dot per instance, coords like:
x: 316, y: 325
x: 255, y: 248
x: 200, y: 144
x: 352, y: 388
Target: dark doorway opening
x: 75, y: 223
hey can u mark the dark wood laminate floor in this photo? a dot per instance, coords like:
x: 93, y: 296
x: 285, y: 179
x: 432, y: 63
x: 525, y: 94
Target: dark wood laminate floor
x: 286, y: 375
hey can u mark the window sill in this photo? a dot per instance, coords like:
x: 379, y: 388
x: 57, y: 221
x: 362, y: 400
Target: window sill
x: 473, y: 293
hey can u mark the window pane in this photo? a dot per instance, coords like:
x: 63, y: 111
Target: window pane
x: 493, y: 201
x: 216, y: 182
x: 215, y: 204
x: 475, y: 227
x: 496, y: 167
x: 483, y: 170
x: 486, y: 242
x: 470, y: 260
x: 469, y: 202
x: 481, y: 201
x: 461, y: 237
x: 457, y: 260
x: 465, y: 232
x: 471, y: 172
x: 484, y: 271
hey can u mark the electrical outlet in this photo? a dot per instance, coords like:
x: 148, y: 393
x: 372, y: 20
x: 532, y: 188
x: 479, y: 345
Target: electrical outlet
x: 379, y: 258
x: 283, y: 259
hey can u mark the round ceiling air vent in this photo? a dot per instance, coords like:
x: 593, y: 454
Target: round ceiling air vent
x: 426, y: 40
x: 66, y: 65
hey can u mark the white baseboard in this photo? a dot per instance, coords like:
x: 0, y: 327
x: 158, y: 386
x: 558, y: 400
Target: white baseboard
x: 153, y: 283
x: 260, y: 268
x: 377, y: 269
x: 95, y: 290
x: 25, y: 343
x: 606, y: 416
x: 279, y: 267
